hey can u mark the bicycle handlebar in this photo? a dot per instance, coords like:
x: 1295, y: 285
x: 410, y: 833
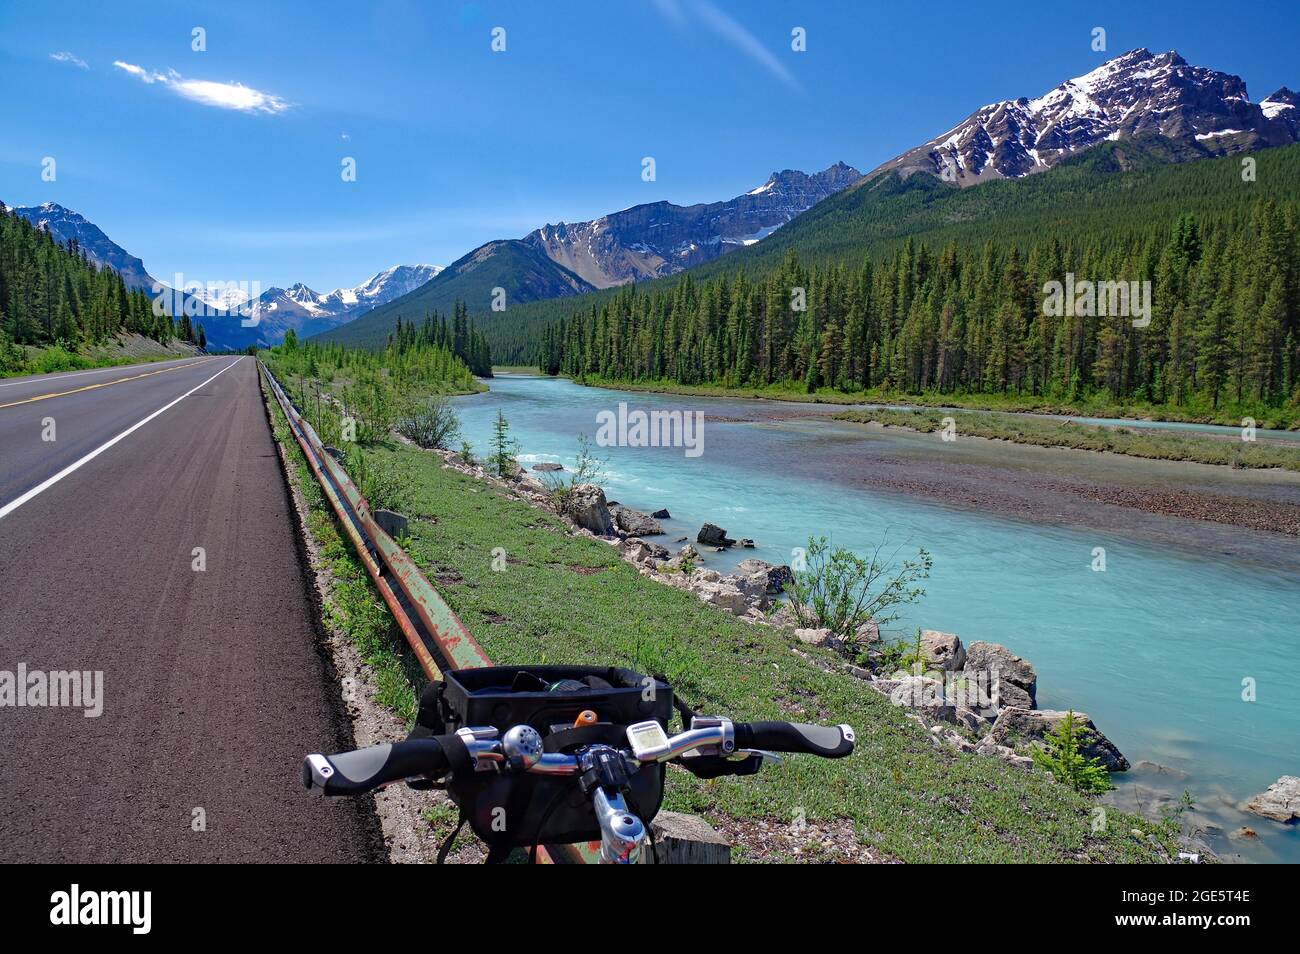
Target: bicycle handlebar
x: 364, y: 770
x: 828, y: 741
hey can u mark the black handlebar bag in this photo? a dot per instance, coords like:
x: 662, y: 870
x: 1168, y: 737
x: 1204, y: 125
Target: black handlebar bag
x: 508, y: 810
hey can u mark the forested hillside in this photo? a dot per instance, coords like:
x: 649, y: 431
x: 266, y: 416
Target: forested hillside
x: 521, y: 270
x: 910, y: 285
x: 51, y: 295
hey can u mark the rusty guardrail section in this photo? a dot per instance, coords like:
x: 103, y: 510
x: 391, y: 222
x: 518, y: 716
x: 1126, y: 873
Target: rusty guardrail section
x: 435, y: 633
x: 432, y: 629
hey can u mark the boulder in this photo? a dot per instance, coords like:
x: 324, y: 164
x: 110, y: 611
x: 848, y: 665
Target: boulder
x: 815, y: 637
x: 711, y: 535
x: 943, y: 650
x: 774, y: 578
x: 1017, y: 726
x: 585, y: 505
x: 1281, y: 802
x: 548, y: 468
x: 755, y: 590
x: 1012, y: 681
x: 924, y: 695
x: 657, y: 550
x: 724, y: 596
x: 635, y: 522
x: 746, y: 543
x: 662, y: 515
x: 972, y: 719
x: 868, y: 633
x: 784, y: 616
x: 639, y: 551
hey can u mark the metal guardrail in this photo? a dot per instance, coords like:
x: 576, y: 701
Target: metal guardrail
x: 435, y: 633
x: 432, y: 629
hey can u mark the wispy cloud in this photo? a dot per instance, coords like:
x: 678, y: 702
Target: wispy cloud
x: 231, y: 95
x: 724, y: 25
x: 139, y: 72
x: 63, y: 56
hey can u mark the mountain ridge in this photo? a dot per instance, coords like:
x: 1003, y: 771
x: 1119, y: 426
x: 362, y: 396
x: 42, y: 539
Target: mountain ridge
x: 1136, y: 93
x: 560, y: 261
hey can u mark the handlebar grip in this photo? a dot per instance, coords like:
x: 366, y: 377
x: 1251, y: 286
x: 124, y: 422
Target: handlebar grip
x: 828, y: 741
x: 364, y: 770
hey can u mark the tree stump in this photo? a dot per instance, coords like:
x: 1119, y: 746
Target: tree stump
x: 688, y: 840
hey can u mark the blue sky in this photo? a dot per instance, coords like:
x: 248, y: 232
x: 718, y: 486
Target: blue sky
x: 225, y: 164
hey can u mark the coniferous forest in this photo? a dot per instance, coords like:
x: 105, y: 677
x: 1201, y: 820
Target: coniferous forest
x: 1224, y: 322
x: 52, y: 294
x: 459, y: 337
x: 922, y: 290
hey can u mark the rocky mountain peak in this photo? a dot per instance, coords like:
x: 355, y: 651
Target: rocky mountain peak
x: 1137, y: 93
x: 660, y: 238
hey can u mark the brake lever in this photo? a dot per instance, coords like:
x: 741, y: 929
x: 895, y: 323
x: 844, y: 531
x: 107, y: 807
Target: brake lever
x: 764, y: 755
x: 715, y: 765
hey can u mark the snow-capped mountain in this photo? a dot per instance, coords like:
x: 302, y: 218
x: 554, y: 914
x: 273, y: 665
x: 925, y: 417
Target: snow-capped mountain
x: 276, y: 309
x: 308, y: 312
x: 227, y: 298
x: 659, y: 238
x: 1137, y: 93
x: 64, y: 226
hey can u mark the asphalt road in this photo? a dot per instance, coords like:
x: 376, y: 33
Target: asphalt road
x: 214, y: 683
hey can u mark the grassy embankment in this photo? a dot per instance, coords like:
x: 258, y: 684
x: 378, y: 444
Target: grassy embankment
x: 121, y: 349
x: 1273, y: 418
x: 570, y: 599
x: 1133, y: 442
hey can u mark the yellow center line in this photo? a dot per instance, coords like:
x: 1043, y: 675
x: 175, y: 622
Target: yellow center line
x: 104, y: 384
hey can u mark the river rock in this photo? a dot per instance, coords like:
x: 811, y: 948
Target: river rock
x: 924, y: 695
x: 585, y: 505
x: 774, y: 578
x: 943, y: 650
x: 868, y: 633
x: 548, y: 468
x: 784, y: 617
x: 711, y: 535
x: 986, y: 746
x: 1012, y: 681
x: 1281, y: 802
x: 755, y: 590
x: 639, y: 551
x: 722, y: 595
x: 1016, y: 725
x: 635, y: 522
x: 815, y: 637
x: 662, y: 514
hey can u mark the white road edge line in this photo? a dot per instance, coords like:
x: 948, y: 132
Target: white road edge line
x: 47, y: 484
x: 60, y: 375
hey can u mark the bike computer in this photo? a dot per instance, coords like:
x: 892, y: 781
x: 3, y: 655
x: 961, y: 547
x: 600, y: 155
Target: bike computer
x: 648, y: 740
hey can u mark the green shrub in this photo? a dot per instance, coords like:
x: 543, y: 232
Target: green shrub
x: 1065, y: 760
x: 840, y: 591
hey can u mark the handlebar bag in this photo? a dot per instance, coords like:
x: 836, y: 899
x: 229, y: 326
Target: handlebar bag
x: 515, y: 810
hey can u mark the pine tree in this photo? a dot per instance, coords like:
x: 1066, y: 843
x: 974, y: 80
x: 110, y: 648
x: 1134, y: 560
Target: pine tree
x: 503, y: 447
